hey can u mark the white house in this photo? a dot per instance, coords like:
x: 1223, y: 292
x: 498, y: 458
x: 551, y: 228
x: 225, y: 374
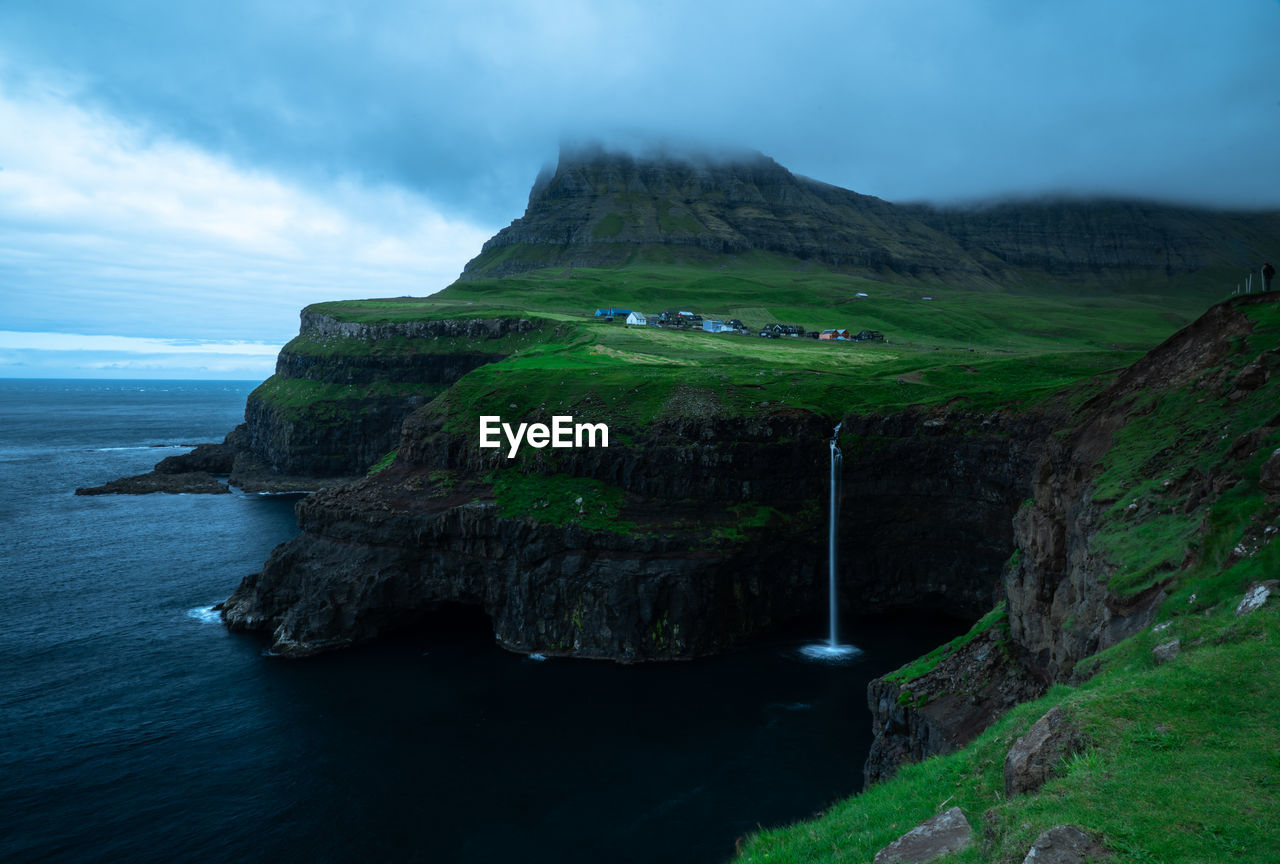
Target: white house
x: 637, y: 318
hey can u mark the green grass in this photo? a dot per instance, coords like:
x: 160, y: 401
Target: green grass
x: 747, y: 518
x: 996, y: 618
x: 384, y: 463
x: 335, y: 347
x: 976, y: 350
x: 1183, y: 764
x: 979, y: 350
x: 324, y: 404
x: 1178, y: 438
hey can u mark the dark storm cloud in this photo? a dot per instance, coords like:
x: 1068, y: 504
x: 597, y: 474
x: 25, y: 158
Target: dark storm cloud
x: 463, y: 102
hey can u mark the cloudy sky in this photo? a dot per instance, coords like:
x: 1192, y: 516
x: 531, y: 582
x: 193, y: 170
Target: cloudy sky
x: 178, y: 179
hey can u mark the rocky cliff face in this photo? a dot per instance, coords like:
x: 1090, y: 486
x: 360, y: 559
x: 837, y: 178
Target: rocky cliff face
x: 1062, y: 607
x: 598, y: 208
x: 1079, y: 240
x: 342, y: 389
x: 1205, y: 401
x: 688, y: 578
x: 946, y: 707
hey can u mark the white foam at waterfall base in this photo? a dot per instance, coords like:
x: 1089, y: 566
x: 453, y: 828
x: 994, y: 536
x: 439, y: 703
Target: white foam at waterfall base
x: 825, y: 652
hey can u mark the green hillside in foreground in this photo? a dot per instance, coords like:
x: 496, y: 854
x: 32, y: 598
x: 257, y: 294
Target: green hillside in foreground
x: 1180, y: 760
x: 1182, y: 763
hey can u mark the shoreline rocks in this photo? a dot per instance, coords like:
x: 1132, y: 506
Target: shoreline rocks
x: 185, y: 483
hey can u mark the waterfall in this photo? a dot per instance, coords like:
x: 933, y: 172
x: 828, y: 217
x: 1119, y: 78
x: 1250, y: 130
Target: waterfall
x: 832, y: 651
x: 832, y: 528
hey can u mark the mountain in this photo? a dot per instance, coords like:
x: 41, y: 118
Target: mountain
x: 1087, y: 468
x: 603, y: 208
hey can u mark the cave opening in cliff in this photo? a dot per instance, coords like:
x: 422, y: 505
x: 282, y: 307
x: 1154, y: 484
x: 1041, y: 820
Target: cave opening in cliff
x: 444, y: 622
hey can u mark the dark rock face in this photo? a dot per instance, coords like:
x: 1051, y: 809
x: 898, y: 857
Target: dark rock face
x: 926, y: 518
x: 378, y: 553
x: 943, y: 834
x: 1034, y: 757
x: 343, y: 443
x: 361, y: 568
x: 944, y: 486
x: 1079, y: 238
x: 947, y: 707
x: 210, y: 458
x: 599, y: 206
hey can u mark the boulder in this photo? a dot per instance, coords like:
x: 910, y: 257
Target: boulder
x: 1257, y: 595
x: 1269, y: 476
x: 1251, y: 377
x: 1067, y: 844
x: 943, y: 834
x: 1166, y: 651
x: 1033, y: 757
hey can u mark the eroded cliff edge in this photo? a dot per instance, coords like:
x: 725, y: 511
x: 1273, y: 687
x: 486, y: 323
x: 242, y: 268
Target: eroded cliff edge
x: 686, y: 537
x: 1152, y: 499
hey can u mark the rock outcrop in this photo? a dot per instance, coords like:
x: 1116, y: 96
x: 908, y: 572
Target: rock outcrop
x: 362, y: 568
x: 183, y: 483
x: 1060, y: 607
x: 1039, y: 754
x: 947, y: 707
x: 945, y: 833
x: 1067, y: 844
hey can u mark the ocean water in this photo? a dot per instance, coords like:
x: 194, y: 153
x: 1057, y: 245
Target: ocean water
x: 133, y: 727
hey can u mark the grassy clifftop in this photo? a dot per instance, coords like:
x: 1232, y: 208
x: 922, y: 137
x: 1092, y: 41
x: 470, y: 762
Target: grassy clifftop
x: 969, y: 349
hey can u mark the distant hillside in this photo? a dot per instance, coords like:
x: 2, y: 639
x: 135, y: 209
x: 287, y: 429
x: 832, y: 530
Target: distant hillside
x: 606, y: 209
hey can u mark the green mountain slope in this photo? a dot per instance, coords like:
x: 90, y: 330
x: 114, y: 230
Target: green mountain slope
x: 609, y: 209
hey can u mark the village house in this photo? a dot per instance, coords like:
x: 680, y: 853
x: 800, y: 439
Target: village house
x: 637, y: 318
x: 612, y: 313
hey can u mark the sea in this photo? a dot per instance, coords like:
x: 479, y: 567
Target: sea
x: 134, y: 727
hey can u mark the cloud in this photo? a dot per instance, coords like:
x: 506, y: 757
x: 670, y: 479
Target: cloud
x: 915, y: 99
x: 80, y: 355
x: 25, y: 340
x: 108, y: 228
